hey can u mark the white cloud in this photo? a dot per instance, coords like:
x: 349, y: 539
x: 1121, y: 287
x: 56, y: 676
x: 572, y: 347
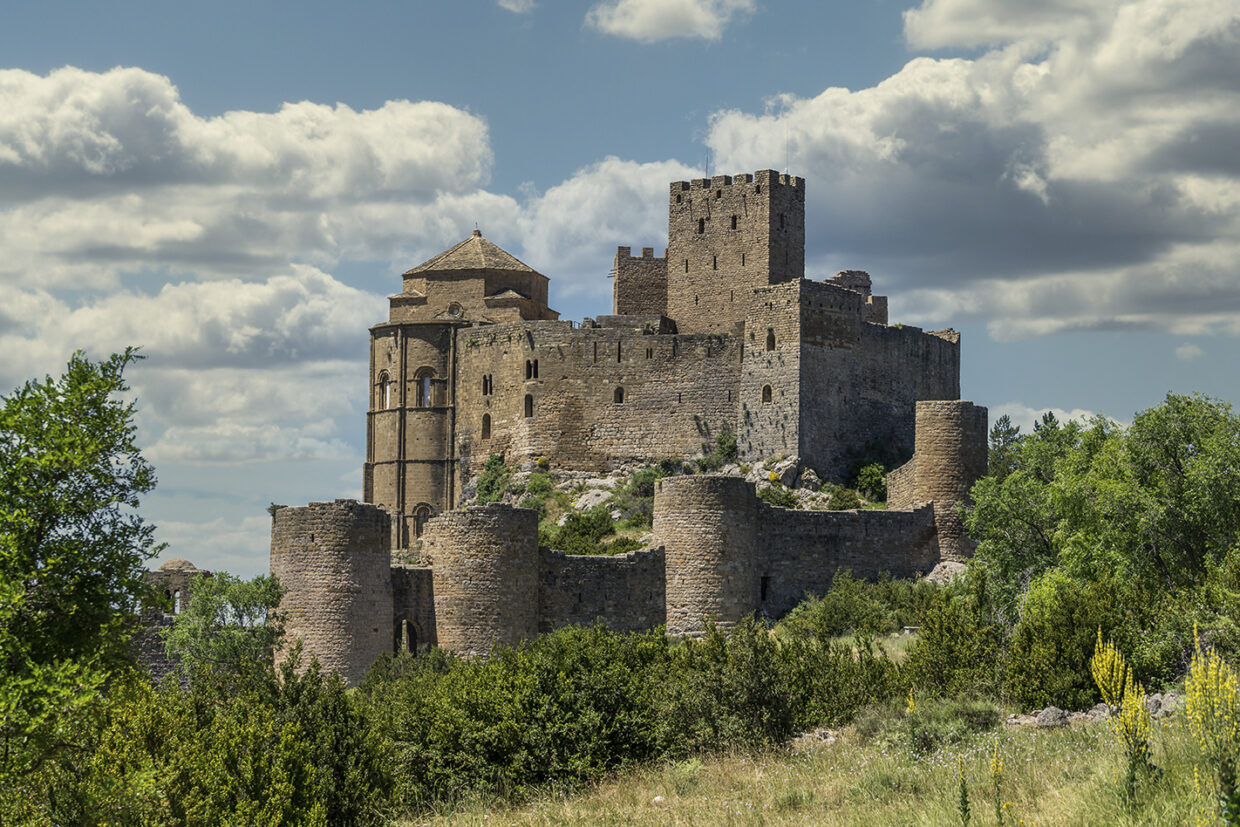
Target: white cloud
x: 517, y: 6
x: 572, y: 230
x: 1189, y: 351
x: 653, y: 20
x: 1026, y: 417
x: 1077, y: 176
x: 106, y: 173
x: 220, y: 544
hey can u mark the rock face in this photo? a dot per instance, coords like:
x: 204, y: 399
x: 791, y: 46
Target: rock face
x: 1051, y: 717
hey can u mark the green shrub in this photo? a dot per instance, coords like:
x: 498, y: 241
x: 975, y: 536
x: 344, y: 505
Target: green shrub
x: 493, y: 480
x: 957, y: 650
x: 584, y: 532
x: 849, y: 605
x: 936, y: 723
x: 777, y: 495
x: 843, y: 499
x: 722, y: 453
x: 872, y: 481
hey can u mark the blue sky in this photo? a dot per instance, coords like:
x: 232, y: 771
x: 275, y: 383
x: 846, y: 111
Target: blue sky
x: 236, y: 187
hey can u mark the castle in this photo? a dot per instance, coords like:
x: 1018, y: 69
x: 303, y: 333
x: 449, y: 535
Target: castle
x: 722, y: 332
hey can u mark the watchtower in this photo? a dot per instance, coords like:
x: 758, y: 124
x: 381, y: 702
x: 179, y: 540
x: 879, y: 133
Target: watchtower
x: 726, y: 236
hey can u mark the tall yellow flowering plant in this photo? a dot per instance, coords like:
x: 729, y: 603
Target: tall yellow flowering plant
x: 1130, y: 717
x: 1212, y: 706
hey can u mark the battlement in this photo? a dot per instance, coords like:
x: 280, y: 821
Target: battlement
x: 767, y: 177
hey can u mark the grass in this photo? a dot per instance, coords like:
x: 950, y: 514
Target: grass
x: 1059, y: 777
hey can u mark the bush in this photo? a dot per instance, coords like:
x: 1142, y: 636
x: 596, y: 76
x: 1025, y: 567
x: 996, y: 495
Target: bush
x: 957, y: 650
x: 849, y: 605
x: 872, y: 481
x: 936, y: 723
x: 777, y: 495
x: 723, y: 452
x: 843, y: 499
x: 584, y: 532
x: 493, y: 480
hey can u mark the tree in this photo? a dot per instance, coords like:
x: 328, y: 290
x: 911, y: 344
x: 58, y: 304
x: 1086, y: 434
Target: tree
x: 72, y: 547
x: 1004, y: 442
x: 227, y: 625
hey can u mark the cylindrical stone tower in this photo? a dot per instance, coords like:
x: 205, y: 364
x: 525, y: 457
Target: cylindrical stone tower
x: 708, y: 526
x: 951, y: 456
x: 484, y: 560
x: 334, y: 562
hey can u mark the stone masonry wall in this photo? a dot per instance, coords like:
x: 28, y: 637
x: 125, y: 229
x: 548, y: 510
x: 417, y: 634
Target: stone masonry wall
x: 413, y: 602
x: 728, y: 235
x: 708, y: 526
x: 485, y: 568
x: 334, y: 562
x: 640, y: 285
x: 625, y: 592
x: 803, y: 550
x: 676, y: 393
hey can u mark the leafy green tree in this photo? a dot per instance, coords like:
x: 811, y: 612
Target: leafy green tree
x: 228, y: 624
x: 872, y: 481
x: 1004, y: 441
x: 72, y: 547
x: 493, y: 479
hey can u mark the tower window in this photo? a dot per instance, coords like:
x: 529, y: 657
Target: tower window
x: 719, y: 193
x: 535, y: 368
x: 423, y: 388
x: 486, y: 426
x: 596, y: 351
x: 618, y: 396
x: 764, y: 586
x: 770, y: 340
x: 734, y: 222
x: 766, y: 395
x: 758, y: 188
x: 383, y: 392
x: 686, y: 265
x: 781, y: 221
x: 701, y: 225
x: 420, y: 515
x: 714, y: 264
x: 617, y: 351
x: 529, y: 370
x: 649, y: 353
x: 529, y: 406
x: 678, y: 199
x: 742, y: 259
x: 176, y: 602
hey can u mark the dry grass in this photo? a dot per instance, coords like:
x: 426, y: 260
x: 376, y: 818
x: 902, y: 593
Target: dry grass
x: 1064, y: 777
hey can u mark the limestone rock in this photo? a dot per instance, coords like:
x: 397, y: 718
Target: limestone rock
x: 1052, y: 717
x: 809, y: 480
x: 786, y: 470
x: 591, y: 497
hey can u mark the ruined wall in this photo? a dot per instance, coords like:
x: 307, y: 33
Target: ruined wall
x: 413, y: 608
x: 640, y: 285
x: 951, y: 456
x: 484, y: 560
x: 677, y: 392
x: 708, y: 526
x: 728, y: 235
x: 334, y: 562
x: 803, y: 550
x: 625, y: 592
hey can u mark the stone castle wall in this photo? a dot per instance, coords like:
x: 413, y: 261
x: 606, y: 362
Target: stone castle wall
x: 485, y: 563
x: 413, y: 608
x: 333, y: 561
x: 601, y: 395
x: 625, y: 592
x: 728, y: 235
x: 641, y: 283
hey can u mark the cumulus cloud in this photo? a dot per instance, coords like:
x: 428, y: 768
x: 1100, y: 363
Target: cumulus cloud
x: 653, y: 20
x: 572, y: 230
x: 105, y: 173
x: 1074, y: 177
x: 517, y: 6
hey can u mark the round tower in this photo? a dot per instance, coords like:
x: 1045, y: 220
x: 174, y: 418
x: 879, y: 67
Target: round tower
x: 707, y: 525
x: 484, y: 560
x: 951, y: 456
x: 335, y: 565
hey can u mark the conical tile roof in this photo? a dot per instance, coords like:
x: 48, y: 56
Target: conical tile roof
x: 474, y: 253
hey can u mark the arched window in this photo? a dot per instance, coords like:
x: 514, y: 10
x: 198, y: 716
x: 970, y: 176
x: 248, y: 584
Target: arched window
x: 618, y: 396
x: 383, y: 392
x: 486, y: 426
x: 420, y: 515
x: 529, y: 369
x: 529, y: 406
x: 766, y: 394
x: 535, y: 368
x: 770, y: 340
x: 425, y: 389
x: 176, y: 602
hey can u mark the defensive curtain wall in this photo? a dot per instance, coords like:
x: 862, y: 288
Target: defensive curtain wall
x: 719, y: 554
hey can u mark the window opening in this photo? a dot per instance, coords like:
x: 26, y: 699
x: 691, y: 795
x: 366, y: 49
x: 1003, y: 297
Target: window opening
x: 758, y: 188
x: 766, y: 394
x: 742, y: 259
x: 529, y: 406
x: 618, y: 396
x: 486, y: 426
x: 596, y: 351
x: 617, y: 351
x: 701, y: 225
x: 781, y: 221
x: 535, y: 368
x: 384, y: 395
x: 422, y: 382
x: 686, y: 265
x: 714, y: 265
x: 719, y: 193
x: 770, y: 340
x: 420, y: 515
x: 678, y: 199
x: 649, y: 353
x: 764, y: 587
x: 176, y: 602
x: 529, y: 370
x: 734, y: 222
